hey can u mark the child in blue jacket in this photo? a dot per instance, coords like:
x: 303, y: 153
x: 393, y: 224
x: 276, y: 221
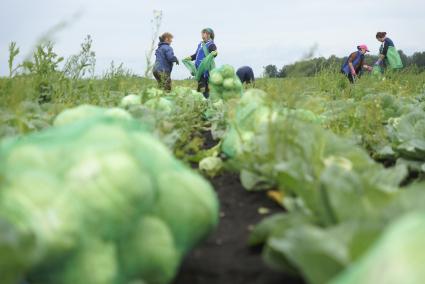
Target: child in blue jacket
x: 164, y: 61
x: 207, y: 35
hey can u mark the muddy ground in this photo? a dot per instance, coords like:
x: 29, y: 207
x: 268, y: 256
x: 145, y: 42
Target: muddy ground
x: 225, y: 257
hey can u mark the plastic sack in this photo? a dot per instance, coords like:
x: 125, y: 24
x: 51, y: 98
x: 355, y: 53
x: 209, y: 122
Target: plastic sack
x: 190, y: 66
x: 224, y: 83
x: 393, y: 58
x: 95, y: 201
x: 206, y: 65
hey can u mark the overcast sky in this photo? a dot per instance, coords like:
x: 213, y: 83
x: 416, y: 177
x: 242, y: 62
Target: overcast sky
x: 255, y: 33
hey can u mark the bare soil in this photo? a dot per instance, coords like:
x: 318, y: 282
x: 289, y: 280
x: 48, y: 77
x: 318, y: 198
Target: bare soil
x: 225, y: 256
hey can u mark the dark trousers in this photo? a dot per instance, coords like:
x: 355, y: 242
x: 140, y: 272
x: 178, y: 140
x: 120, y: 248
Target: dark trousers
x: 203, y: 84
x: 351, y: 77
x: 163, y: 79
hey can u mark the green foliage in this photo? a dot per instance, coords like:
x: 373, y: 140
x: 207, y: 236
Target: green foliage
x: 311, y: 67
x: 77, y: 65
x: 13, y: 52
x: 176, y: 118
x: 211, y: 165
x: 270, y: 71
x: 156, y: 24
x: 312, y: 138
x: 116, y: 72
x: 44, y: 68
x: 399, y: 250
x: 407, y: 133
x: 339, y: 200
x: 418, y: 59
x: 27, y: 117
x: 45, y: 61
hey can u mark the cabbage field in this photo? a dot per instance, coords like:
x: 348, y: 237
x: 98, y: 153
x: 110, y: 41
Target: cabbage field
x: 111, y: 180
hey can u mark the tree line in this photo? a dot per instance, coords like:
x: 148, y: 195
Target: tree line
x: 310, y: 67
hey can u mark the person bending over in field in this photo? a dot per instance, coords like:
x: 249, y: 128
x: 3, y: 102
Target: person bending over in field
x: 245, y: 74
x: 164, y: 62
x: 354, y: 64
x: 205, y: 47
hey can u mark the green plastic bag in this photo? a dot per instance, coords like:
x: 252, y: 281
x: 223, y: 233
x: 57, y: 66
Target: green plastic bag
x: 225, y: 84
x: 207, y: 64
x: 190, y: 66
x: 393, y: 58
x: 94, y: 201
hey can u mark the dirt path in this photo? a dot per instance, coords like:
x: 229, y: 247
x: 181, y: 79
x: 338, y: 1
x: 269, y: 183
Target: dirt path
x: 225, y: 257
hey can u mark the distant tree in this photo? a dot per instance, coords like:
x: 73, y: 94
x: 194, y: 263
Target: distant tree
x: 270, y: 71
x: 404, y: 58
x: 310, y: 67
x: 418, y: 59
x: 371, y: 59
x: 282, y: 73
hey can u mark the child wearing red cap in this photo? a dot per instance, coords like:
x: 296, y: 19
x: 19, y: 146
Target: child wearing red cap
x: 354, y: 64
